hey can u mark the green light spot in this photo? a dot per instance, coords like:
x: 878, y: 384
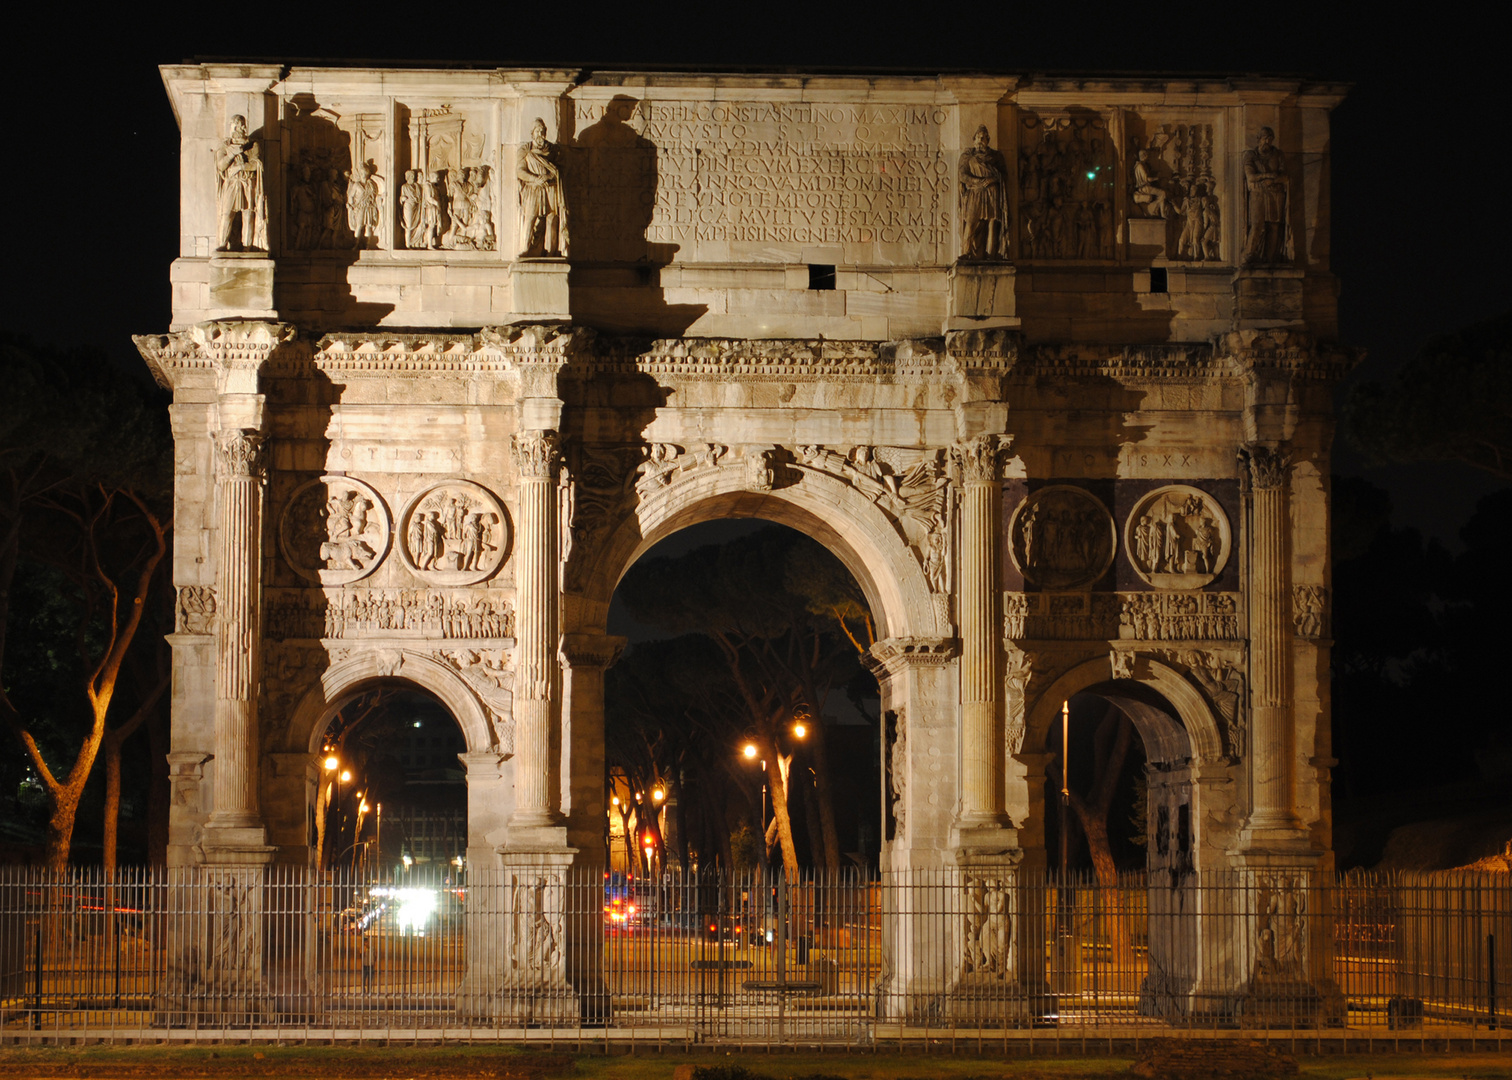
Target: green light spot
x: 1092, y: 176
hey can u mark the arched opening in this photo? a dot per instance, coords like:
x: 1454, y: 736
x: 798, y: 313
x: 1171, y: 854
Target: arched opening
x: 391, y: 795
x: 740, y: 724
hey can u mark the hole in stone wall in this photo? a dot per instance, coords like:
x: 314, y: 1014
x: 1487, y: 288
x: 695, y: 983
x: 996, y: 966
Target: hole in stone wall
x: 821, y: 276
x: 1159, y: 280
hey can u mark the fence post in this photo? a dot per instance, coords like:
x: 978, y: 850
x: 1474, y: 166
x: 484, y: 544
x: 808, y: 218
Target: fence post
x: 1491, y: 980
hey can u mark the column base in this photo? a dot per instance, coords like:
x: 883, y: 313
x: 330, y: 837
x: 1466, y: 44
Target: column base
x: 236, y: 845
x: 539, y: 289
x: 1267, y: 297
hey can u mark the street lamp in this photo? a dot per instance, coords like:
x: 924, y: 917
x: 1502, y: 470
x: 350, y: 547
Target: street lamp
x: 1065, y: 781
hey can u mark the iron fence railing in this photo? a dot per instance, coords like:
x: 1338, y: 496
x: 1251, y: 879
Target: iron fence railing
x: 559, y: 954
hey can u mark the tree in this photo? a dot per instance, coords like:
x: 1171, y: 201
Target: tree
x: 85, y: 481
x: 1450, y: 402
x: 781, y: 658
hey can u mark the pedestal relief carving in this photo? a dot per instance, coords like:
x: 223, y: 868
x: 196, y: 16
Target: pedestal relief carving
x: 1177, y: 537
x: 1062, y: 537
x: 240, y: 203
x: 989, y: 927
x: 1065, y: 187
x: 196, y: 609
x: 454, y: 533
x: 1308, y: 610
x: 334, y: 530
x: 543, y: 203
x: 983, y: 178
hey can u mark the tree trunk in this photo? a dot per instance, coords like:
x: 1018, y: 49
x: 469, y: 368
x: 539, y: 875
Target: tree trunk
x: 112, y: 749
x: 778, y: 780
x: 824, y: 796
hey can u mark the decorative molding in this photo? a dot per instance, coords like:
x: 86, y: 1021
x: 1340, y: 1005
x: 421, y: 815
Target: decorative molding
x: 894, y: 654
x: 980, y: 459
x: 1269, y: 466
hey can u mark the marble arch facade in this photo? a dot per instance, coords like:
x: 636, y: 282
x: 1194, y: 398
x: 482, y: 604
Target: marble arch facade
x: 1047, y: 362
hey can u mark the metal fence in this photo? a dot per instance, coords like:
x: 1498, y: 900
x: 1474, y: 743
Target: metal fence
x: 574, y: 958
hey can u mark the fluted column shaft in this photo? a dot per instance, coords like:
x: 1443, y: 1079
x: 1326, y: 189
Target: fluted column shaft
x: 238, y: 493
x: 1270, y: 644
x: 983, y: 800
x: 537, y: 671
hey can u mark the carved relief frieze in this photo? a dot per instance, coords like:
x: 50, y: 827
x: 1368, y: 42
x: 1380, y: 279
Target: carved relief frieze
x: 355, y: 613
x: 1062, y: 537
x: 1071, y: 615
x: 1065, y: 187
x: 1310, y: 611
x: 1172, y: 178
x: 337, y: 197
x: 195, y: 610
x: 454, y: 533
x: 1178, y: 537
x: 1178, y: 616
x: 334, y: 530
x: 447, y: 200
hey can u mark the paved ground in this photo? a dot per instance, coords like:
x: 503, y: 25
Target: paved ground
x: 504, y: 1063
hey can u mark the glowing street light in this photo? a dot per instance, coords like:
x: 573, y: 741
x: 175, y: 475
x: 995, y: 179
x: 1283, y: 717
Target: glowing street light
x: 658, y: 795
x: 749, y: 751
x: 346, y: 776
x: 331, y: 763
x: 799, y: 731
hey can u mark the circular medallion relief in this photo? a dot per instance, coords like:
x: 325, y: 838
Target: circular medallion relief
x: 1062, y: 537
x: 1178, y: 538
x: 335, y: 530
x: 454, y: 533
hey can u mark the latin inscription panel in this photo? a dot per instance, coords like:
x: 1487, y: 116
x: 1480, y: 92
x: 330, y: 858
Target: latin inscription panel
x: 770, y: 180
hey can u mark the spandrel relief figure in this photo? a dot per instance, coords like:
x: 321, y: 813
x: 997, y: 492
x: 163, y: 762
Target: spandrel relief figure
x: 240, y: 205
x: 1267, y: 196
x: 410, y: 198
x: 543, y: 204
x: 984, y: 200
x: 363, y: 205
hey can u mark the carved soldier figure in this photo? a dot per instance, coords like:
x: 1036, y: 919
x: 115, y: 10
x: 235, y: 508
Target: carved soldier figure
x: 1267, y: 190
x: 1147, y: 190
x: 483, y: 222
x: 543, y: 205
x: 362, y: 204
x: 333, y: 201
x: 304, y: 203
x: 984, y: 199
x: 430, y: 212
x: 239, y: 189
x: 1189, y: 244
x: 409, y: 203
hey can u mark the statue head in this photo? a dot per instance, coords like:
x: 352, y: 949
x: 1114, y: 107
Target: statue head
x: 1266, y: 139
x: 238, y: 128
x: 981, y: 140
x: 538, y: 132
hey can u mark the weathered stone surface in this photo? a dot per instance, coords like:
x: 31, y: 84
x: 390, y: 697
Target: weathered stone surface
x: 998, y: 342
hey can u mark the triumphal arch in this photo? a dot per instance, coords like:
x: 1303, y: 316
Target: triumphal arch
x: 1047, y: 362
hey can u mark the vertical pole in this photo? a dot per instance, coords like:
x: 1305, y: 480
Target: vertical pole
x: 537, y: 459
x: 1491, y: 980
x: 983, y: 796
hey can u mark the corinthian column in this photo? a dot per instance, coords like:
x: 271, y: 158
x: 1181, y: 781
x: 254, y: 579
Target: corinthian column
x: 537, y: 672
x: 1270, y: 632
x: 238, y: 551
x: 982, y: 746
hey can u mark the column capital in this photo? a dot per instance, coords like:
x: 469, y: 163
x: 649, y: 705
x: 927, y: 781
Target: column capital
x: 592, y: 650
x: 979, y: 459
x: 239, y: 348
x: 891, y: 655
x: 238, y: 454
x: 537, y: 454
x: 1268, y: 465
